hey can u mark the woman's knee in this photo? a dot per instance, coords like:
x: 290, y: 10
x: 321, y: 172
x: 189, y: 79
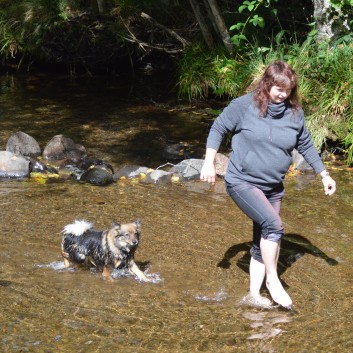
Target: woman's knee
x: 272, y: 225
x: 276, y: 237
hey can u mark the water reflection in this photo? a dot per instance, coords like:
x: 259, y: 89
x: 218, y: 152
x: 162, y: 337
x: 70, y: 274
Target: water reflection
x: 265, y: 323
x: 194, y: 243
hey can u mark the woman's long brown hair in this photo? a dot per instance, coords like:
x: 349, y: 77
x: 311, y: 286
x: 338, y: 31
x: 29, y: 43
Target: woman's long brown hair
x: 279, y: 73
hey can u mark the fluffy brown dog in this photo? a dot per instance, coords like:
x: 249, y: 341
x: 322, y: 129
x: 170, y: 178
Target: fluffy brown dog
x: 106, y: 249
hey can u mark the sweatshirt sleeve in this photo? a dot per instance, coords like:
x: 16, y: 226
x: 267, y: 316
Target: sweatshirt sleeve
x: 306, y: 148
x: 226, y: 122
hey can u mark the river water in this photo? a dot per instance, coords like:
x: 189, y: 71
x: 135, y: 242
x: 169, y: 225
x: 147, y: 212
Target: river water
x: 194, y: 243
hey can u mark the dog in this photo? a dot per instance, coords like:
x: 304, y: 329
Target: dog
x: 105, y: 249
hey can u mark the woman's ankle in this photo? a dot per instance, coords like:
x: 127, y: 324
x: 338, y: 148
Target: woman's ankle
x: 278, y: 293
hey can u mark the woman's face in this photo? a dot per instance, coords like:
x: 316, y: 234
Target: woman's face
x: 279, y: 94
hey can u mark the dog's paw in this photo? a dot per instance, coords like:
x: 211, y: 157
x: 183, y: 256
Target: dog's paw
x: 145, y: 279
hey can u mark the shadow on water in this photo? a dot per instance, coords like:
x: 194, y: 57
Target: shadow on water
x: 293, y: 247
x: 194, y: 301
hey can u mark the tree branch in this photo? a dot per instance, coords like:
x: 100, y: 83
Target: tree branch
x: 183, y: 41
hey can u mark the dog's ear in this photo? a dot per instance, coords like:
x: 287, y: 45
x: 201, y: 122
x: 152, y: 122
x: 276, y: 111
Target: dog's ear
x: 115, y: 224
x: 138, y: 224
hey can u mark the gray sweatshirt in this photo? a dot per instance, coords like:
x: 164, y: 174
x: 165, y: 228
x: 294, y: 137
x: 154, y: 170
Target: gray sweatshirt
x: 262, y: 146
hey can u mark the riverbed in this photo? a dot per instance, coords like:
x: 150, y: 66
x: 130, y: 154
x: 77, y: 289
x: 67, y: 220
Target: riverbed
x: 194, y: 243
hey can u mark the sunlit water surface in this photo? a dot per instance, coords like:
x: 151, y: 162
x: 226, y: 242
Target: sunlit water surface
x: 194, y: 243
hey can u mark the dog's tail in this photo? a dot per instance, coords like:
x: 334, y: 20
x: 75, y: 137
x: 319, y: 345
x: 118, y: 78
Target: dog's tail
x: 77, y: 228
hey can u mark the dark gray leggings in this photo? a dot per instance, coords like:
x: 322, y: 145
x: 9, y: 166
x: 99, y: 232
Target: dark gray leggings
x: 263, y: 207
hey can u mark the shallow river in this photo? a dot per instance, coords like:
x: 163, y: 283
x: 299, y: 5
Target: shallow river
x: 194, y: 243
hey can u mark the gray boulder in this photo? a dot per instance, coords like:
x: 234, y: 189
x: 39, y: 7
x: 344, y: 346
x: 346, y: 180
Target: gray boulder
x: 299, y: 162
x: 64, y: 150
x: 221, y: 164
x: 188, y: 169
x: 23, y: 144
x: 13, y: 166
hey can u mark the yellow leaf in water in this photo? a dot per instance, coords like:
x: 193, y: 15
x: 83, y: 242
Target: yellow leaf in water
x: 36, y: 175
x: 38, y: 178
x: 175, y: 179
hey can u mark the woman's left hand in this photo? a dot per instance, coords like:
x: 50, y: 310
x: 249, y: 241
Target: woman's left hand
x: 329, y: 185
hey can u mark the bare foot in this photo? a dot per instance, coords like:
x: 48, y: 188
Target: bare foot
x: 278, y: 294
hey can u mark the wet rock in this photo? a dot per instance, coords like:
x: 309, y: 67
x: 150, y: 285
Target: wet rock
x: 37, y: 167
x: 221, y: 164
x: 65, y: 150
x: 299, y: 162
x: 23, y: 144
x: 131, y: 171
x: 188, y: 169
x: 179, y: 151
x: 13, y: 166
x: 98, y: 175
x: 158, y: 177
x: 71, y: 172
x: 88, y: 163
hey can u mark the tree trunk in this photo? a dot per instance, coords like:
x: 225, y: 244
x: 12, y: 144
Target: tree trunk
x: 222, y: 28
x: 210, y: 15
x: 331, y: 22
x: 101, y: 6
x: 206, y: 33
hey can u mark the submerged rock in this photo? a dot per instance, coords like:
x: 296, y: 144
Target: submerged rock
x: 131, y: 171
x: 179, y: 151
x: 158, y: 177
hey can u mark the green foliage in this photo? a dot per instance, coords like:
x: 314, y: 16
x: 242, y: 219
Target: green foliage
x: 348, y: 143
x: 253, y: 11
x: 202, y: 73
x: 23, y: 24
x: 328, y: 71
x: 341, y: 3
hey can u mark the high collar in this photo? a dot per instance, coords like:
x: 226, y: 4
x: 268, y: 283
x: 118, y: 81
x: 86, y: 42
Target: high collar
x: 276, y: 110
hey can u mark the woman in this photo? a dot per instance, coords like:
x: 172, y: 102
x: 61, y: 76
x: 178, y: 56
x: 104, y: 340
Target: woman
x: 267, y: 124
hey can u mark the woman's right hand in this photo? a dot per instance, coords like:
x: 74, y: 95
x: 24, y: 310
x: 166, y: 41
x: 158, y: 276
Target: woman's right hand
x: 208, y: 170
x: 208, y: 173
